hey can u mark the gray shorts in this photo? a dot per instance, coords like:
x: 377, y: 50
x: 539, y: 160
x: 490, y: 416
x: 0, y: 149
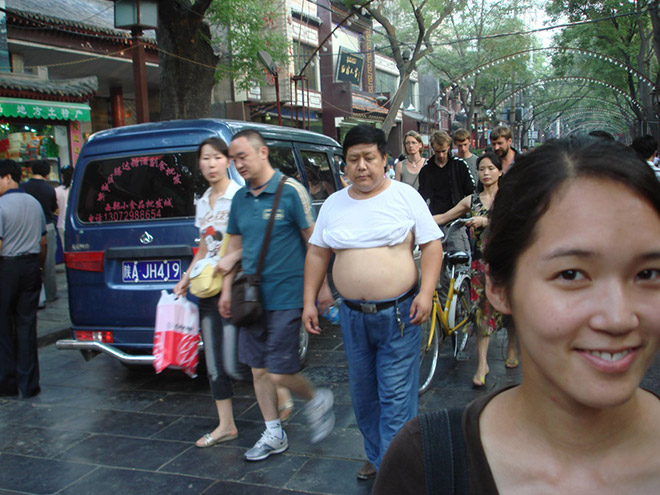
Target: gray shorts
x: 272, y: 342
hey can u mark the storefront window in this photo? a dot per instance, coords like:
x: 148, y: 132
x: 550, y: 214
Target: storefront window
x: 25, y: 141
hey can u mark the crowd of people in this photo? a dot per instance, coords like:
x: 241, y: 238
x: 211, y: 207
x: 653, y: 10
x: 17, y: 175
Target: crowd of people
x: 544, y: 235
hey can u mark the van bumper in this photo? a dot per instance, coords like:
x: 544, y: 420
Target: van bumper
x: 79, y: 345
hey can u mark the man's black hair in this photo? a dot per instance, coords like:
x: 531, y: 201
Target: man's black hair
x: 40, y: 167
x: 10, y: 167
x: 365, y: 134
x: 645, y: 146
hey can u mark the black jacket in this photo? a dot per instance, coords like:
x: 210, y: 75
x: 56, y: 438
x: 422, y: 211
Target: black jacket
x: 461, y: 182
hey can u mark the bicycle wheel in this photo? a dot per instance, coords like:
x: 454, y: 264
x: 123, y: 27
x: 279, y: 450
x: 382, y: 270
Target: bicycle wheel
x: 428, y: 357
x: 459, y: 317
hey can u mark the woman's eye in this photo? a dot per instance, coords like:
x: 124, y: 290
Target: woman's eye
x: 571, y: 275
x: 650, y: 274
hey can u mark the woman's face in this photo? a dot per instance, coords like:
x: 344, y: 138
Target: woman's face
x: 488, y: 173
x: 213, y: 164
x: 412, y: 145
x: 585, y: 296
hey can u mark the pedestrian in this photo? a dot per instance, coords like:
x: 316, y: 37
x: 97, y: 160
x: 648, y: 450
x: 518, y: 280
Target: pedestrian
x: 270, y: 346
x: 62, y: 194
x: 211, y: 216
x: 371, y: 228
x: 501, y: 139
x: 646, y: 148
x: 574, y: 256
x: 407, y: 169
x: 486, y: 319
x: 443, y: 182
x: 461, y: 138
x: 22, y: 254
x: 37, y: 187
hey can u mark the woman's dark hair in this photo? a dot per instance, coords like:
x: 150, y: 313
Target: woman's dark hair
x: 365, y: 134
x: 527, y: 189
x: 67, y: 174
x: 216, y: 143
x: 493, y: 157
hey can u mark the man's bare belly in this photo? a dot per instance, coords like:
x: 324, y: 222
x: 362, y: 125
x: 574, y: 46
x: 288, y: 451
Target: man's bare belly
x: 373, y: 274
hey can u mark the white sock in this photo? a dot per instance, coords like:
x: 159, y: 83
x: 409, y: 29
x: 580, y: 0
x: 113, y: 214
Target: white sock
x: 275, y: 428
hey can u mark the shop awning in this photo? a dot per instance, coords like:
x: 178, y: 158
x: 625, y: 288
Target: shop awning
x: 41, y: 109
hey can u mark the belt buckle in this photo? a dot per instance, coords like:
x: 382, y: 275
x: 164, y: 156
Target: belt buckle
x: 368, y: 308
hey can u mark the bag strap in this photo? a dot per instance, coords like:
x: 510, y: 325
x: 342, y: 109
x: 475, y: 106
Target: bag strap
x: 443, y: 447
x: 269, y: 228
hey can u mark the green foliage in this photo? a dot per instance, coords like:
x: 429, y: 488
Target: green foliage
x: 242, y: 28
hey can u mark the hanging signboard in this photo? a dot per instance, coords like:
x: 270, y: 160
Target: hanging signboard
x: 38, y: 109
x: 349, y: 67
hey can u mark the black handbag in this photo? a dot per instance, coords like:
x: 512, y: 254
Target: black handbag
x: 246, y: 307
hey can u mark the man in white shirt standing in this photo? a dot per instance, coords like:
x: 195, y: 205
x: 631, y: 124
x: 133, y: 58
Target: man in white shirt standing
x: 371, y: 228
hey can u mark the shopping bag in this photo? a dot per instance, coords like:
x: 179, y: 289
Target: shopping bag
x: 176, y: 334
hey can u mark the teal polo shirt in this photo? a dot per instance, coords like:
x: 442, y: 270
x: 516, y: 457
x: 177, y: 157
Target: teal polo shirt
x: 282, y: 276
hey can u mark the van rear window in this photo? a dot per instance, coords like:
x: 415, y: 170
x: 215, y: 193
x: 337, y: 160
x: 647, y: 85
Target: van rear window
x: 140, y: 188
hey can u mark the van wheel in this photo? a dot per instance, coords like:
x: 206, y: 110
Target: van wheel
x: 303, y: 345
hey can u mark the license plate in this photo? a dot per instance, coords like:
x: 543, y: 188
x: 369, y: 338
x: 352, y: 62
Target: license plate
x: 151, y: 271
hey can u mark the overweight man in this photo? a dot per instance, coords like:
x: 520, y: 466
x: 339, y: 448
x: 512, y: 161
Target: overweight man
x: 372, y: 227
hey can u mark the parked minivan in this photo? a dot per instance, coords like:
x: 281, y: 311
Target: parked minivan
x: 130, y: 221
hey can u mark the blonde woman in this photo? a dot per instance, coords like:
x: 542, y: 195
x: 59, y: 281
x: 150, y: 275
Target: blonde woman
x: 408, y: 170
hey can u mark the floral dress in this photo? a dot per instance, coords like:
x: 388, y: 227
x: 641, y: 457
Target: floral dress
x: 488, y: 320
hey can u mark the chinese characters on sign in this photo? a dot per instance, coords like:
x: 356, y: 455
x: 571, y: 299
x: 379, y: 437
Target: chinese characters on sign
x: 349, y: 67
x: 134, y: 210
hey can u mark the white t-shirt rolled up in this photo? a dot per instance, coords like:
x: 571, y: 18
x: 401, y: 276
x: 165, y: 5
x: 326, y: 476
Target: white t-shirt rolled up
x: 383, y: 220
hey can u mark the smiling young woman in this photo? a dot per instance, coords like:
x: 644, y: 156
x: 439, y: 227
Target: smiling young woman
x: 574, y: 257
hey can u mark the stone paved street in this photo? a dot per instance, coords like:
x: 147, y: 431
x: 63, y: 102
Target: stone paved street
x: 101, y: 428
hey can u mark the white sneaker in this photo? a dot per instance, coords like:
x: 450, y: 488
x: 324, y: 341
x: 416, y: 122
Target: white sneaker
x: 320, y: 416
x: 268, y: 444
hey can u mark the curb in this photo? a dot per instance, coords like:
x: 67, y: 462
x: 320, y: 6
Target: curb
x: 53, y: 336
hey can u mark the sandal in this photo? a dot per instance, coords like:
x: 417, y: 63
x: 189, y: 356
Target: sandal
x: 286, y: 409
x: 511, y: 363
x: 208, y: 441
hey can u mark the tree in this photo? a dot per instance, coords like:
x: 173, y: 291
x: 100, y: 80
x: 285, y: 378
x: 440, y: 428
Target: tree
x: 624, y: 31
x: 479, y: 36
x: 427, y: 16
x: 201, y: 41
x: 187, y: 60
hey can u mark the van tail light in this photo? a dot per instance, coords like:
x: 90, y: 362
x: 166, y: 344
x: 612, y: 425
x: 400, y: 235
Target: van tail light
x: 195, y: 249
x: 89, y: 261
x: 91, y: 336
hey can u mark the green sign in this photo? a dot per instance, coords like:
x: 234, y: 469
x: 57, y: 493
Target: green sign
x: 49, y: 110
x: 349, y: 67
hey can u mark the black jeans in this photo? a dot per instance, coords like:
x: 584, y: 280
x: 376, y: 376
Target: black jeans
x: 20, y: 285
x: 212, y: 335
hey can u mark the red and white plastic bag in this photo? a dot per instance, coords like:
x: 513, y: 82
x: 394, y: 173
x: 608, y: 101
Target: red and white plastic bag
x: 176, y: 334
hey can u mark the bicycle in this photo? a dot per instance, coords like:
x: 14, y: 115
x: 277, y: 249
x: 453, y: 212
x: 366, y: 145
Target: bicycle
x: 452, y: 316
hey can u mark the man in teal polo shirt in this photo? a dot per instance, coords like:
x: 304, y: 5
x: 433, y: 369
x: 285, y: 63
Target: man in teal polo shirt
x: 270, y: 346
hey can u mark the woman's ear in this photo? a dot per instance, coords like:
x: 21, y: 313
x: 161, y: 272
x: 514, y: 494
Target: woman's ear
x: 497, y: 295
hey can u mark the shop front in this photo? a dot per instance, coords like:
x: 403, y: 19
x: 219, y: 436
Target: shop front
x: 39, y: 120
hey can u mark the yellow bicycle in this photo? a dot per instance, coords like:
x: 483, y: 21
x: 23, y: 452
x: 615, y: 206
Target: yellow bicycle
x: 449, y: 319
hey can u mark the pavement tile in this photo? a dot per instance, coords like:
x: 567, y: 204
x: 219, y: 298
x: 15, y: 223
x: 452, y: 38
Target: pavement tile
x: 36, y: 441
x: 227, y: 463
x: 188, y: 429
x: 105, y: 481
x: 127, y: 452
x: 34, y: 414
x: 38, y: 476
x: 139, y: 425
x: 233, y: 488
x: 332, y: 476
x: 194, y: 405
x: 343, y: 443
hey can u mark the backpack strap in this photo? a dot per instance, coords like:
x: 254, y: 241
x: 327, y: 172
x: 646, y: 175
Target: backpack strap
x: 443, y: 447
